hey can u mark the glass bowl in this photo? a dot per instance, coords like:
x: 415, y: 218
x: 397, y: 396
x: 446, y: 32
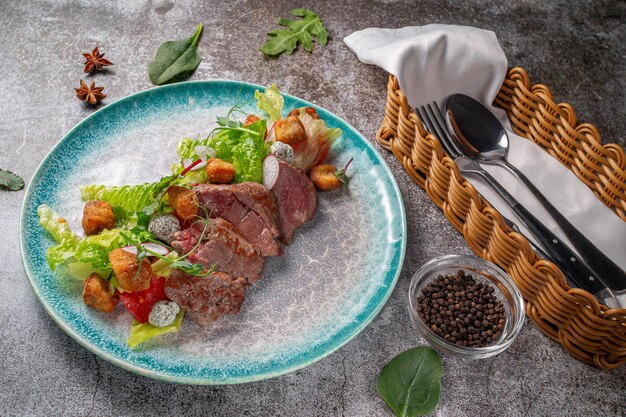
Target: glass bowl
x: 482, y: 271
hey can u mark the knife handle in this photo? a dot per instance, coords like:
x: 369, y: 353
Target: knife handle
x: 603, y: 266
x: 561, y: 254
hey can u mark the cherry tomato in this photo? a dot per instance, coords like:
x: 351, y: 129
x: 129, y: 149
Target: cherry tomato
x: 140, y: 303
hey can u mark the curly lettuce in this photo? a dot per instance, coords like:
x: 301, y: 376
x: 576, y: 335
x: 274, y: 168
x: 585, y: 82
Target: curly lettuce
x: 140, y: 332
x: 82, y: 256
x: 271, y: 102
x: 128, y: 197
x: 244, y: 147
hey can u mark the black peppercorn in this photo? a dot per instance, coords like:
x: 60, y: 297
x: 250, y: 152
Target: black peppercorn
x: 461, y: 310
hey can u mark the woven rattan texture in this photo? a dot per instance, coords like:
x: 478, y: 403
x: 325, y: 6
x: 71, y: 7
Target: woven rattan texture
x: 588, y: 330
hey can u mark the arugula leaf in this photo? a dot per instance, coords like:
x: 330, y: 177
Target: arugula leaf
x: 271, y: 102
x: 411, y: 381
x: 300, y: 31
x: 10, y: 181
x: 175, y: 60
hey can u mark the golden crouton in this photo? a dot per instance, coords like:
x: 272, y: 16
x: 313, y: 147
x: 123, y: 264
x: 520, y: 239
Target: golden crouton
x: 96, y: 294
x: 324, y: 178
x: 183, y: 201
x: 250, y: 119
x: 290, y: 130
x: 97, y: 216
x: 125, y: 267
x: 219, y: 172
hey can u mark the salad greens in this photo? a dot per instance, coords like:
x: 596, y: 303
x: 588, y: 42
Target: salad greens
x: 175, y: 60
x: 133, y: 205
x: 82, y: 256
x: 140, y: 332
x: 244, y: 147
x: 299, y: 31
x: 271, y: 102
x: 411, y: 381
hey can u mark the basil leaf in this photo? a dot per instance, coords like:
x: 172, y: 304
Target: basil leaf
x: 10, y: 181
x: 411, y: 381
x: 175, y: 60
x: 299, y: 31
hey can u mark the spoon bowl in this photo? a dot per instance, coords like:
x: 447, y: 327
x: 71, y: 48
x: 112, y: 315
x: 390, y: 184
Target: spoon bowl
x: 477, y: 130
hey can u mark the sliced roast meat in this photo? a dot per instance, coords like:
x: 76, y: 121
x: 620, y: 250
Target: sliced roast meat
x: 250, y: 207
x: 208, y: 298
x: 296, y: 199
x: 221, y: 245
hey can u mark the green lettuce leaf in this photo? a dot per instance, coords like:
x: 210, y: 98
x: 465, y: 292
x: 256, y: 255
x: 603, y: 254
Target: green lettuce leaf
x: 130, y: 198
x: 53, y: 224
x: 271, y: 102
x: 245, y: 148
x: 140, y: 332
x: 91, y: 253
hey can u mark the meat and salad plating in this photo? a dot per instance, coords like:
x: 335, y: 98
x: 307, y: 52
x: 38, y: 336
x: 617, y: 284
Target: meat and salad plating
x: 189, y: 244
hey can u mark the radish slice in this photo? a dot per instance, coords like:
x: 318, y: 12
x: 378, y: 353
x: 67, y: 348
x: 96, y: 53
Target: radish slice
x: 130, y: 249
x: 270, y: 170
x: 154, y: 247
x: 188, y: 162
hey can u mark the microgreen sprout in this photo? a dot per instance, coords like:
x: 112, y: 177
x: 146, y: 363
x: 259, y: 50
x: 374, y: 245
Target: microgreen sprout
x: 342, y: 174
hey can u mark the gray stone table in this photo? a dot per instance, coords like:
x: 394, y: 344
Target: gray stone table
x: 575, y: 47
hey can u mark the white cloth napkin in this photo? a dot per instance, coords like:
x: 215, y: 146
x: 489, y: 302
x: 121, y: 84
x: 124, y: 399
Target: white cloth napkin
x: 435, y: 61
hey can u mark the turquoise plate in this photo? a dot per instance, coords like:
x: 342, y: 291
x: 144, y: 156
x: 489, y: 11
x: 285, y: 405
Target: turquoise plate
x: 331, y: 282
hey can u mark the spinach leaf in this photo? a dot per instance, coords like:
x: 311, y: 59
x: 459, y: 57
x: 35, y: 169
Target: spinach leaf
x: 300, y: 30
x: 175, y: 60
x: 411, y: 381
x: 10, y: 181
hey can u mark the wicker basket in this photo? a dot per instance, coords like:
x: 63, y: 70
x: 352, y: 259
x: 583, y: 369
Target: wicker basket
x: 588, y: 330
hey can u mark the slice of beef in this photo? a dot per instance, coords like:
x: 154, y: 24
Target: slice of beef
x: 208, y: 298
x: 250, y: 207
x: 222, y: 245
x: 295, y: 197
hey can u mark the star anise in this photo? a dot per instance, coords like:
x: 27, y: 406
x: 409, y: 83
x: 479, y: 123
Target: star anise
x: 90, y: 94
x: 95, y: 61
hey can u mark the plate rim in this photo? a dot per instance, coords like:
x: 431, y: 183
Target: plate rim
x: 164, y: 376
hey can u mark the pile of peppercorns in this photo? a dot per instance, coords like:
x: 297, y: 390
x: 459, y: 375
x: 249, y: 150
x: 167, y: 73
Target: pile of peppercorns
x: 461, y: 310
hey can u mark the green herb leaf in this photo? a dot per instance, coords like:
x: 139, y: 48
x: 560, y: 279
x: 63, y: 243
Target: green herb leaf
x: 341, y: 176
x: 10, y: 181
x: 411, y: 381
x: 300, y: 31
x: 175, y: 60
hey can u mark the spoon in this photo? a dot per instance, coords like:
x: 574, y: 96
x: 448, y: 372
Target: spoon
x: 481, y: 137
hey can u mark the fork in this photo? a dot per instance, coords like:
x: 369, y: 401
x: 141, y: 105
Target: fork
x: 574, y: 268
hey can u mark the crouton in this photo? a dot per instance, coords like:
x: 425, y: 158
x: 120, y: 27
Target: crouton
x: 290, y: 130
x: 250, y: 119
x: 219, y: 171
x: 96, y: 294
x: 324, y: 178
x: 183, y: 201
x: 97, y: 216
x: 126, y: 268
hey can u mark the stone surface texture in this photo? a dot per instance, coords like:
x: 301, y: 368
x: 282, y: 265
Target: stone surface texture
x: 574, y: 47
